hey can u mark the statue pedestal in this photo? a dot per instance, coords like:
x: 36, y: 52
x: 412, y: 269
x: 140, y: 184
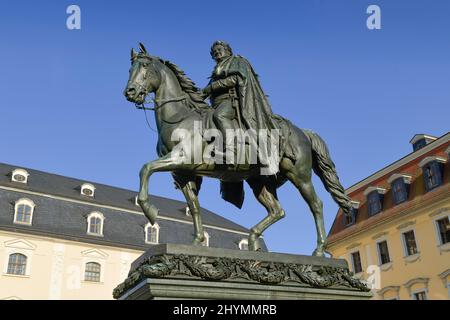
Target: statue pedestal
x: 172, y: 271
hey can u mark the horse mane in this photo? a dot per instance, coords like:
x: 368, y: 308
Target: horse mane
x: 188, y: 86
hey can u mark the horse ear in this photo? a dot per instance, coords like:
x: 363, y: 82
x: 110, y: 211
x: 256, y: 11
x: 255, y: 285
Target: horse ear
x: 143, y: 50
x: 133, y: 55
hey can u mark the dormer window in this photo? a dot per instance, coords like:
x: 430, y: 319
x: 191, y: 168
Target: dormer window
x: 375, y: 196
x: 88, y: 190
x: 152, y: 233
x: 95, y: 222
x: 350, y: 219
x: 20, y: 175
x: 205, y: 243
x: 400, y: 187
x: 433, y: 172
x: 421, y: 140
x: 23, y: 211
x: 243, y: 245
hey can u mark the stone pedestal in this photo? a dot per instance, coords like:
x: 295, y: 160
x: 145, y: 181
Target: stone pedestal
x: 172, y: 271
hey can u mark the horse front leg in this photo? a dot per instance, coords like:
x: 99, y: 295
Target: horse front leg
x: 165, y: 163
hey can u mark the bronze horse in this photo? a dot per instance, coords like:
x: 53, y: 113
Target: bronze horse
x: 178, y: 104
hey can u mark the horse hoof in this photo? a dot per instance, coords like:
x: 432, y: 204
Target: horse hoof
x: 150, y: 211
x: 318, y: 253
x: 197, y: 242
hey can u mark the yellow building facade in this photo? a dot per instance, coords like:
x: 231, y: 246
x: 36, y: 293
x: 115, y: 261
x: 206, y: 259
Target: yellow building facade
x: 398, y: 236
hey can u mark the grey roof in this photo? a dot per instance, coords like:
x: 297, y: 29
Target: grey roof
x: 61, y: 218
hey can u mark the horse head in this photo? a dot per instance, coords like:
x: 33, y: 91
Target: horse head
x: 144, y: 76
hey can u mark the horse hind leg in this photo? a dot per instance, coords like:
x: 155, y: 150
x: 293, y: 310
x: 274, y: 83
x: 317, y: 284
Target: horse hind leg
x: 300, y: 176
x: 189, y: 190
x: 267, y: 196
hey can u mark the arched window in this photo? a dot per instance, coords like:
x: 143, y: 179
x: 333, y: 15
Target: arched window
x: 152, y: 233
x: 206, y: 242
x: 95, y: 223
x: 243, y: 244
x: 23, y: 211
x: 17, y: 264
x: 92, y: 272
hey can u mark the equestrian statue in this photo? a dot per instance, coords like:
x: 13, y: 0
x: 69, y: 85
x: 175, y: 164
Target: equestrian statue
x: 226, y: 134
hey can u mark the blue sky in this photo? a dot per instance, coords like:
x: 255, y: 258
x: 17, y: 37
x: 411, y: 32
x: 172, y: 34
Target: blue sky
x: 366, y: 92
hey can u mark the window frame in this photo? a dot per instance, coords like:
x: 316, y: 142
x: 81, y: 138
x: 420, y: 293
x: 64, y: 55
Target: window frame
x: 90, y: 187
x: 25, y: 265
x: 424, y: 291
x: 97, y: 215
x: 91, y: 262
x: 379, y: 202
x: 403, y: 191
x: 438, y: 231
x: 24, y: 202
x: 405, y: 245
x: 21, y: 172
x: 242, y: 243
x: 207, y: 238
x: 380, y: 262
x: 351, y: 253
x: 155, y: 227
x: 436, y: 163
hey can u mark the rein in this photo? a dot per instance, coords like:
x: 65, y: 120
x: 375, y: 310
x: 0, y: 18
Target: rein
x: 157, y: 104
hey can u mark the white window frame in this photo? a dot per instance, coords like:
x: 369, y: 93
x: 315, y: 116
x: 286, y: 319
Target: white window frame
x: 27, y: 202
x: 207, y: 238
x: 22, y: 172
x: 156, y: 227
x: 94, y: 255
x: 87, y: 186
x: 95, y: 214
x: 440, y: 245
x: 242, y: 243
x: 413, y: 292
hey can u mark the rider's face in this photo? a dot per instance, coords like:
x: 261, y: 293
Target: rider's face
x: 220, y: 53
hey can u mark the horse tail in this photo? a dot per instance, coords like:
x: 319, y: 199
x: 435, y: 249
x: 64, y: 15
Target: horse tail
x: 324, y: 167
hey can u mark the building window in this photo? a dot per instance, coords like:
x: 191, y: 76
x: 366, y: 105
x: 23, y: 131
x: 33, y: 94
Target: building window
x: 95, y: 224
x: 433, y: 172
x: 383, y: 252
x: 152, y: 233
x: 421, y: 295
x: 92, y: 272
x: 399, y: 191
x: 206, y: 242
x: 356, y: 261
x: 17, y: 264
x: 350, y: 219
x: 444, y: 230
x: 375, y: 202
x: 243, y: 244
x: 20, y: 175
x: 409, y: 240
x: 87, y: 189
x: 23, y: 211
